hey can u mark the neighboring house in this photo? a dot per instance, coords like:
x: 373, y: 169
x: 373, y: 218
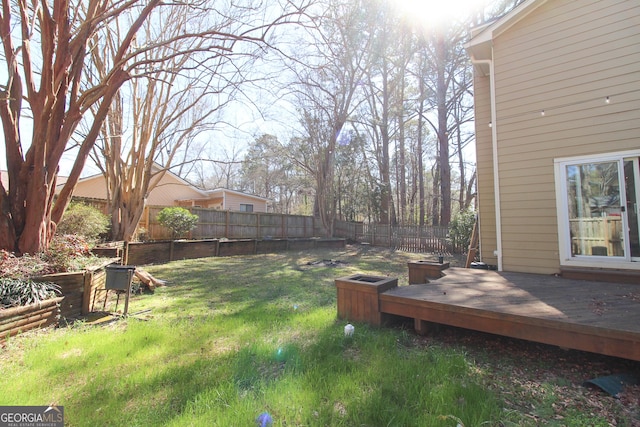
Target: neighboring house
x: 4, y: 178
x: 557, y: 109
x: 170, y: 188
x: 225, y: 199
x: 175, y: 191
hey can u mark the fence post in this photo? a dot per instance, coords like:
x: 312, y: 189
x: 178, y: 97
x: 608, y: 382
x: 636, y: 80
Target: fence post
x: 146, y: 217
x: 124, y: 260
x: 87, y: 293
x: 257, y: 226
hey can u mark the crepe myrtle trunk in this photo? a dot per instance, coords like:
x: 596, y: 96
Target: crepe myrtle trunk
x: 28, y: 211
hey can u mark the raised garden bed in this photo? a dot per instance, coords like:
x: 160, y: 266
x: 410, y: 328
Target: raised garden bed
x: 421, y: 271
x: 20, y: 319
x: 79, y: 289
x: 358, y: 297
x: 140, y: 253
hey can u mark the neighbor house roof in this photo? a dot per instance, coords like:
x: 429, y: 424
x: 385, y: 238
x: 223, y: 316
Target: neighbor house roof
x: 220, y: 191
x: 4, y: 178
x: 170, y: 188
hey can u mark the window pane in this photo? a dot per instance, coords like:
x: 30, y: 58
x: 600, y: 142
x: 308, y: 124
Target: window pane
x: 595, y: 216
x: 630, y: 175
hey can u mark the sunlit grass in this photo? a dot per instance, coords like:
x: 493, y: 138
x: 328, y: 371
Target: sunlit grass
x: 231, y: 338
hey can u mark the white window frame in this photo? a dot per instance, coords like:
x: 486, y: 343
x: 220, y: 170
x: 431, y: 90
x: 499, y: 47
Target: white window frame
x: 564, y: 239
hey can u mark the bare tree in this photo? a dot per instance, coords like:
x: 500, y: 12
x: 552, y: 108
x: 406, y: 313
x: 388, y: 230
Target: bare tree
x: 328, y: 76
x: 46, y: 95
x: 43, y: 100
x: 182, y: 84
x: 222, y: 172
x: 383, y: 113
x: 421, y: 131
x: 446, y: 81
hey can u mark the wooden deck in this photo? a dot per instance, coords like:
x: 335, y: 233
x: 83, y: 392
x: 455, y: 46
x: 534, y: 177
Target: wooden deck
x: 591, y: 316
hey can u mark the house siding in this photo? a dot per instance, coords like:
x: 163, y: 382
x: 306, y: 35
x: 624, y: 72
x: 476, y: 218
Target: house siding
x: 94, y: 187
x: 564, y: 58
x: 169, y: 190
x: 165, y: 193
x: 233, y: 202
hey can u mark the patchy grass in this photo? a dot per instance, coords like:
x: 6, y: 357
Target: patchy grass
x: 231, y: 338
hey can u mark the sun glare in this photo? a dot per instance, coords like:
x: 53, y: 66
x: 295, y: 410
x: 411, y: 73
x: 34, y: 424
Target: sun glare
x: 436, y: 12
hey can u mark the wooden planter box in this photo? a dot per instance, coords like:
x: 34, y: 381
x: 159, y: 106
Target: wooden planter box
x: 236, y: 247
x: 421, y: 271
x: 271, y: 246
x: 80, y: 289
x: 138, y: 253
x: 190, y: 249
x: 20, y: 319
x: 358, y: 297
x: 160, y: 252
x: 330, y: 243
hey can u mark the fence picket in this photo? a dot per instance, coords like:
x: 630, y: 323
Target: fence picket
x: 410, y: 238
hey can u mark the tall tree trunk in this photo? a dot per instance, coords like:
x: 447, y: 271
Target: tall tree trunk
x: 53, y: 83
x: 443, y: 135
x: 470, y: 194
x: 435, y: 207
x: 402, y: 168
x: 420, y: 166
x: 461, y: 170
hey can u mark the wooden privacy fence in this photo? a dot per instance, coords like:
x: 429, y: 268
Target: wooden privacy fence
x: 215, y: 223
x: 597, y: 236
x: 410, y: 238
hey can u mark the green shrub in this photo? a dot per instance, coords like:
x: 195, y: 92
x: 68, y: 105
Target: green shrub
x: 84, y: 220
x: 179, y: 220
x: 17, y: 292
x: 461, y: 227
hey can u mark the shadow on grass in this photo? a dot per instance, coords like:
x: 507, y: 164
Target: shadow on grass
x: 324, y: 378
x: 233, y: 337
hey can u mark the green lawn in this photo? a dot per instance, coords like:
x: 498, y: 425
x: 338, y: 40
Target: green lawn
x: 231, y: 338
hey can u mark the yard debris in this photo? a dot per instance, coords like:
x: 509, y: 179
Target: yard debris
x: 598, y: 307
x: 549, y: 379
x: 632, y: 296
x: 327, y: 263
x: 148, y: 280
x: 613, y: 384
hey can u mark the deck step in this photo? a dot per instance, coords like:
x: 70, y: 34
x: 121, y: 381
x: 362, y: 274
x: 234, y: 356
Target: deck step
x: 601, y: 275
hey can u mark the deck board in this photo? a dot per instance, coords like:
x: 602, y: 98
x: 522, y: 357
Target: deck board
x: 585, y: 315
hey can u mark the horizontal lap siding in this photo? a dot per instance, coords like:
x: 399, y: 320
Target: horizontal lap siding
x: 564, y: 58
x: 233, y: 202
